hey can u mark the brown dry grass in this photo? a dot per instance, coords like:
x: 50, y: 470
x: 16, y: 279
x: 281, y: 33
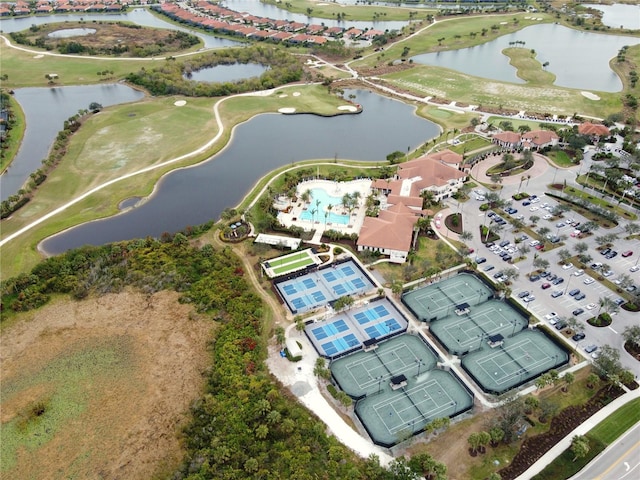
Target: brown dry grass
x: 130, y: 426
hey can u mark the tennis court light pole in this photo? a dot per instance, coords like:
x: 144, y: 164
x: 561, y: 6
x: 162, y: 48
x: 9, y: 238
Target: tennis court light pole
x: 379, y: 383
x: 420, y: 363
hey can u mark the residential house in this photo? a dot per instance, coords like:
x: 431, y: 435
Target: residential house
x: 593, y: 130
x: 534, y: 140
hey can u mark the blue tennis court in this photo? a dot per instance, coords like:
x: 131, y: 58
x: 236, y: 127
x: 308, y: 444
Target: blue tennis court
x: 340, y: 345
x: 318, y: 288
x: 350, y: 329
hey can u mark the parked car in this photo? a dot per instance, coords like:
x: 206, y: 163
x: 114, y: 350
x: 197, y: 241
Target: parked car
x: 488, y: 268
x: 574, y: 292
x: 626, y: 254
x: 588, y: 281
x: 578, y: 311
x: 619, y: 301
x: 539, y: 247
x: 545, y: 285
x: 534, y: 278
x: 497, y: 275
x: 590, y: 348
x: 580, y: 296
x: 533, y: 243
x: 523, y: 294
x: 578, y: 273
x: 530, y: 298
x: 560, y: 325
x: 591, y: 306
x: 605, y: 251
x: 556, y: 294
x: 480, y: 260
x: 635, y: 268
x: 595, y: 265
x: 526, y: 203
x: 550, y: 315
x: 578, y: 336
x: 551, y: 277
x: 489, y: 244
x: 611, y: 254
x: 507, y: 258
x: 558, y: 281
x: 608, y: 273
x: 504, y: 243
x: 567, y: 266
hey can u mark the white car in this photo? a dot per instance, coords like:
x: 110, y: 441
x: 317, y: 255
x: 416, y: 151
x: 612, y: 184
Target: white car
x: 533, y: 209
x: 635, y: 268
x: 548, y: 216
x: 578, y: 273
x: 567, y: 266
x: 550, y: 316
x: 533, y: 243
x: 588, y: 281
x: 591, y: 306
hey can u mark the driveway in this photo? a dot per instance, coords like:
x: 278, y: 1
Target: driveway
x: 479, y: 171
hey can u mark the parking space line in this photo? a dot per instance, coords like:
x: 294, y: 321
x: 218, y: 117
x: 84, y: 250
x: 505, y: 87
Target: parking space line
x: 612, y: 330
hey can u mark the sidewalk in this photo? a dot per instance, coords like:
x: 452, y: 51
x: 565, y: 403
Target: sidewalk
x: 565, y: 443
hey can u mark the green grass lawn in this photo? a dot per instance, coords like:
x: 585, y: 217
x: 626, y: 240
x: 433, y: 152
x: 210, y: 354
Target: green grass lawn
x: 590, y: 196
x: 560, y: 158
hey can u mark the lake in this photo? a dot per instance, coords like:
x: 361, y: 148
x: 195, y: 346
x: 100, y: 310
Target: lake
x: 619, y: 15
x: 227, y: 73
x: 195, y: 195
x: 578, y: 59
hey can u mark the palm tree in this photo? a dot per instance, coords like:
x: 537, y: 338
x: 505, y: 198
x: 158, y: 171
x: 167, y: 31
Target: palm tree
x: 306, y: 196
x: 466, y: 236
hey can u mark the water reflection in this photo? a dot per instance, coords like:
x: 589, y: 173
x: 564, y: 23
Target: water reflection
x: 227, y: 73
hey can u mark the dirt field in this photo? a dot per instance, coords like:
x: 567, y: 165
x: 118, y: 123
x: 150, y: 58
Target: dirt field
x: 99, y: 388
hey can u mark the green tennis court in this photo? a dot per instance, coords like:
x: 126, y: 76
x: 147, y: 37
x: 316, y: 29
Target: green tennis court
x: 290, y: 263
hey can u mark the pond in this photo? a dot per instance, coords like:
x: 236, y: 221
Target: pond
x: 578, y: 59
x: 195, y: 195
x: 227, y: 73
x: 72, y: 32
x: 619, y: 15
x: 46, y: 109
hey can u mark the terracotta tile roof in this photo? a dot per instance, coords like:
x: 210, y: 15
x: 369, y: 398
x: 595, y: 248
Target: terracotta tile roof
x: 447, y: 156
x: 589, y: 128
x: 508, y: 137
x: 392, y: 229
x: 540, y: 137
x: 428, y: 172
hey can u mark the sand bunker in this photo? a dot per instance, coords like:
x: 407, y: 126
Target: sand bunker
x: 347, y: 108
x: 284, y: 95
x: 590, y: 96
x: 296, y: 94
x: 38, y: 56
x: 287, y: 110
x: 180, y: 103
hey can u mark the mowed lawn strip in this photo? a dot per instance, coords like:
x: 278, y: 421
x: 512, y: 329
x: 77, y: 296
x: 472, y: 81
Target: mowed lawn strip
x: 292, y: 266
x: 279, y: 261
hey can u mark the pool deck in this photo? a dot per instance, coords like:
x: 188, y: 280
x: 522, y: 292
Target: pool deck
x: 338, y: 189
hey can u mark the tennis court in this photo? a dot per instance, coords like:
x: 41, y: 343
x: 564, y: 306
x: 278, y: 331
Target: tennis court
x: 399, y: 388
x: 290, y: 263
x: 320, y: 287
x: 519, y: 359
x: 440, y: 299
x: 461, y: 334
x: 348, y: 330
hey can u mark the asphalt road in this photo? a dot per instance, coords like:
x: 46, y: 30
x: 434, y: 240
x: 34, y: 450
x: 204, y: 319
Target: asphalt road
x: 541, y: 176
x: 620, y: 461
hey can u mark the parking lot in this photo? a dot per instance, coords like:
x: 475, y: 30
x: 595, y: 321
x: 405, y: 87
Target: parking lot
x: 564, y: 304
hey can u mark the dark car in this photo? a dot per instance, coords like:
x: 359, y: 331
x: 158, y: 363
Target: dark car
x: 497, y: 275
x: 580, y: 296
x: 578, y: 336
x: 522, y: 238
x: 526, y: 203
x: 551, y: 277
x: 488, y: 268
x: 534, y: 278
x: 611, y: 254
x: 544, y: 274
x: 504, y: 243
x: 619, y: 301
x: 480, y: 260
x: 523, y: 294
x: 507, y: 258
x: 558, y: 281
x: 577, y: 311
x: 626, y: 254
x: 605, y: 251
x: 560, y: 325
x: 574, y: 292
x: 489, y: 244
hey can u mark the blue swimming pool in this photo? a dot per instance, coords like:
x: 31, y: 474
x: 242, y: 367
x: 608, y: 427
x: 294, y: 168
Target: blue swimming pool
x: 320, y: 194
